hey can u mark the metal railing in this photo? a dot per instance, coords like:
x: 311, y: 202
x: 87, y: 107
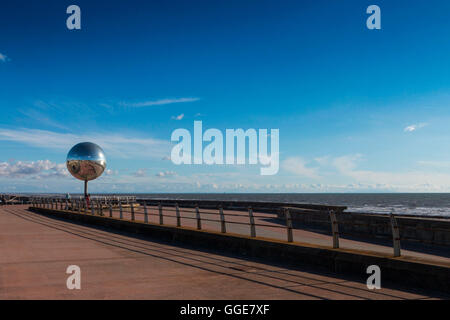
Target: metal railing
x: 211, y: 219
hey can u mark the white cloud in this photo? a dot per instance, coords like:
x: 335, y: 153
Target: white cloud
x: 179, y: 117
x: 3, y: 58
x: 158, y: 102
x: 114, y: 144
x: 140, y: 173
x: 346, y: 164
x: 109, y: 172
x: 414, y: 127
x: 297, y: 166
x: 322, y: 160
x: 33, y: 169
x: 166, y: 173
x: 395, y: 181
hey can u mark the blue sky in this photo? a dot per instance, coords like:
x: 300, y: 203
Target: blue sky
x: 358, y: 110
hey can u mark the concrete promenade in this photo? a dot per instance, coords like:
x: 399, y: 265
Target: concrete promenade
x: 36, y: 250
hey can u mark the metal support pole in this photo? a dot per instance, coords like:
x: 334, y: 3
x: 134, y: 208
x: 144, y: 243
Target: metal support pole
x: 161, y: 220
x: 79, y: 206
x: 177, y: 211
x: 288, y: 217
x: 132, y: 211
x: 120, y: 210
x: 223, y: 227
x: 199, y: 220
x: 100, y: 207
x: 334, y: 229
x: 67, y: 205
x: 110, y: 209
x: 145, y: 212
x: 92, y: 207
x: 252, y: 222
x: 395, y: 235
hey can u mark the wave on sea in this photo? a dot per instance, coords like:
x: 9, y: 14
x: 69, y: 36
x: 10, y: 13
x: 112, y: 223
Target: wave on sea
x: 402, y: 210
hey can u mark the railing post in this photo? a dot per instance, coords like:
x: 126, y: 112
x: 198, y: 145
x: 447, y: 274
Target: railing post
x: 334, y: 229
x: 288, y: 217
x: 395, y: 235
x: 132, y: 211
x: 161, y: 220
x: 79, y: 206
x: 223, y: 227
x: 52, y: 204
x: 100, y: 207
x: 177, y: 211
x: 120, y: 210
x: 199, y: 220
x: 110, y: 209
x: 252, y: 222
x: 92, y: 207
x: 67, y: 205
x: 145, y: 212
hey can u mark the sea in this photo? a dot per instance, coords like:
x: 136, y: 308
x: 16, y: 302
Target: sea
x: 423, y: 204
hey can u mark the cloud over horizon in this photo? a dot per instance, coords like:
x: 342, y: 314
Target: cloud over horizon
x: 33, y: 169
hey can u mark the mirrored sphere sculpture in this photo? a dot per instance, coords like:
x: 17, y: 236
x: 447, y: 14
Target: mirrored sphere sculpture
x: 86, y: 161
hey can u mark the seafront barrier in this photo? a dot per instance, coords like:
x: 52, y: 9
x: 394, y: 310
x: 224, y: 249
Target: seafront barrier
x: 234, y: 228
x: 414, y: 229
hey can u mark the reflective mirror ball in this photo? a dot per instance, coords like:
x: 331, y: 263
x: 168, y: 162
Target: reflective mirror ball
x: 86, y: 161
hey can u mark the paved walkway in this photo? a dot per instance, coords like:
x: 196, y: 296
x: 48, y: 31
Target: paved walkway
x: 35, y: 252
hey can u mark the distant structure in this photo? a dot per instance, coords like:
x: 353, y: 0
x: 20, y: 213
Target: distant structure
x: 86, y: 161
